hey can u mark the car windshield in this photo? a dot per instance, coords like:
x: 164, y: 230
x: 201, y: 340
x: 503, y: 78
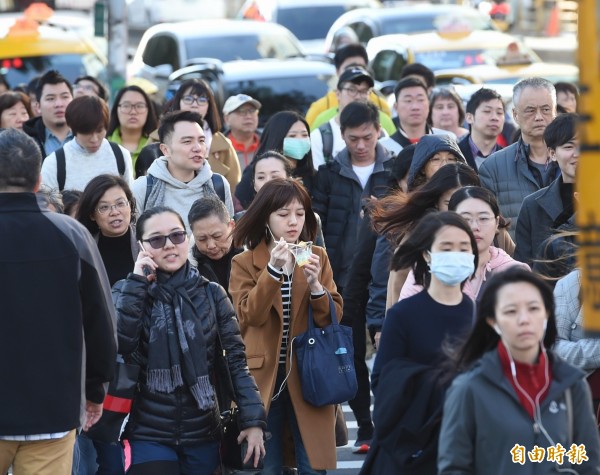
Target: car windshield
x: 231, y: 48
x: 424, y: 23
x: 22, y: 70
x: 436, y: 60
x: 309, y: 23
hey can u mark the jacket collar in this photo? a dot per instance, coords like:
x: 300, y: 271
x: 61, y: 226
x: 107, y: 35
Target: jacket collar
x: 550, y: 200
x: 343, y: 158
x: 19, y: 202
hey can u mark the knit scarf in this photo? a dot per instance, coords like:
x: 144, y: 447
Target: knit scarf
x: 159, y: 188
x: 177, y: 353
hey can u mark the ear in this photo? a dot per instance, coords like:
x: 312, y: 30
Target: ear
x: 552, y: 154
x: 337, y: 95
x: 469, y: 118
x: 231, y: 225
x: 427, y: 257
x: 92, y: 217
x: 36, y: 188
x: 164, y: 149
x: 493, y: 325
x: 514, y: 114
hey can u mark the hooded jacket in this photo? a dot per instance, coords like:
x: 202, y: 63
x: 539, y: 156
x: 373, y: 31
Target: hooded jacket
x: 426, y: 148
x: 178, y: 195
x: 36, y: 129
x: 483, y: 420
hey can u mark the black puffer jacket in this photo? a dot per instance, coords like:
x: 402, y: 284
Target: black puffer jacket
x: 175, y: 418
x: 36, y: 129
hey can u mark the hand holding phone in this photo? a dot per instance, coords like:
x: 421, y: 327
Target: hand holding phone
x: 144, y: 264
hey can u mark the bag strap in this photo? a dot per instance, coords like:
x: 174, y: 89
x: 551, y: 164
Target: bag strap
x: 61, y: 168
x: 119, y: 157
x: 332, y: 312
x: 327, y: 138
x: 218, y: 185
x: 569, y: 401
x: 149, y: 185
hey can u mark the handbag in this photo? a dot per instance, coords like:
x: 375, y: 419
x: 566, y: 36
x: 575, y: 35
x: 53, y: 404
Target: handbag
x: 326, y: 361
x: 117, y: 403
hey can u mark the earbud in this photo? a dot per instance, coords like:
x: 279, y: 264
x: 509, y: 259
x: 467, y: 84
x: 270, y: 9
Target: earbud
x: 497, y: 329
x: 545, y: 325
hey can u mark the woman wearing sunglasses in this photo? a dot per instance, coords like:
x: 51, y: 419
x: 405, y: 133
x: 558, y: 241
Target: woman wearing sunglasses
x: 169, y: 319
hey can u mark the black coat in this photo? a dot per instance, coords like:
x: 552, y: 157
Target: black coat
x: 36, y: 129
x: 175, y: 418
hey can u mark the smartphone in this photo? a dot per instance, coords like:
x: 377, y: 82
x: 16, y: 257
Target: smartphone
x: 249, y: 465
x: 147, y: 270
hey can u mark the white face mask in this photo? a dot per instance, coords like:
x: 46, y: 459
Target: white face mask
x: 452, y: 268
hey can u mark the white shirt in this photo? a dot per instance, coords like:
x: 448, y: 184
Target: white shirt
x: 363, y: 173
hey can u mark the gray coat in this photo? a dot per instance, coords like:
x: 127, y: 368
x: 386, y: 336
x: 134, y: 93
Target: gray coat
x: 506, y: 173
x: 483, y: 420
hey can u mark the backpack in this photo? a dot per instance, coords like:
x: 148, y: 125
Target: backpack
x: 327, y: 137
x: 217, y: 181
x: 61, y: 164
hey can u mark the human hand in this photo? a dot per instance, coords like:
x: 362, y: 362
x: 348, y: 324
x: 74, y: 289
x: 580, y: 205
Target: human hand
x: 256, y: 444
x: 93, y: 412
x: 280, y: 254
x: 376, y: 338
x: 144, y: 265
x: 312, y: 269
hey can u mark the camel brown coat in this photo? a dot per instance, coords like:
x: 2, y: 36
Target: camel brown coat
x: 257, y: 300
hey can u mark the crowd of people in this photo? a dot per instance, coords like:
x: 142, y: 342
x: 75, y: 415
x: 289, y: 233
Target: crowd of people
x: 445, y: 236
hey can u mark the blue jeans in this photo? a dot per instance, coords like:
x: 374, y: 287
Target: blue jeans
x: 281, y: 413
x: 92, y: 457
x: 201, y: 459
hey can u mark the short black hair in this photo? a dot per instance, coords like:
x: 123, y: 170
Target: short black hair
x: 207, y: 206
x: 349, y: 51
x: 561, y: 130
x: 20, y: 160
x: 566, y: 87
x: 418, y: 69
x: 409, y: 82
x: 168, y: 121
x: 358, y: 113
x: 51, y: 77
x: 482, y: 95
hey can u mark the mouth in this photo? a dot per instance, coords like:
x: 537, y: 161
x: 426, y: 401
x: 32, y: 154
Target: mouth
x: 171, y: 257
x: 116, y: 223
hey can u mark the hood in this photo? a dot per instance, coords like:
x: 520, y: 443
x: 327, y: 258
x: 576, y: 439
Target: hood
x: 159, y: 170
x: 499, y: 259
x: 428, y: 146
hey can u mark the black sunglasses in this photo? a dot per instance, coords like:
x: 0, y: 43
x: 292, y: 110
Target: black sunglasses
x: 158, y: 242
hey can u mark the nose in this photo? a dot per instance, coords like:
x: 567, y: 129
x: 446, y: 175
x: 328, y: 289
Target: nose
x: 168, y: 243
x: 211, y: 244
x: 293, y: 219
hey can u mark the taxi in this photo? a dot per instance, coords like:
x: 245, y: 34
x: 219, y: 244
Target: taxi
x: 31, y: 45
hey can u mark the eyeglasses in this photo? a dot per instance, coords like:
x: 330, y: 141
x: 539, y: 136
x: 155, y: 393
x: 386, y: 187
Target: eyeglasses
x: 158, y: 242
x: 119, y: 205
x: 355, y: 92
x: 443, y: 161
x: 481, y: 221
x: 189, y: 100
x: 532, y: 111
x: 246, y: 112
x: 85, y: 87
x: 127, y: 107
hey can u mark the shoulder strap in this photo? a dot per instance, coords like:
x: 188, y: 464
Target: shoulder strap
x: 218, y: 185
x: 119, y: 157
x: 149, y: 185
x: 327, y: 137
x: 569, y: 401
x: 61, y: 168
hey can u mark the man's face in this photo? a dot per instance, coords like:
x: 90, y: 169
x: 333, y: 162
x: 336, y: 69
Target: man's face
x: 567, y: 157
x: 351, y: 92
x: 53, y: 104
x: 488, y: 119
x: 534, y: 111
x: 243, y: 120
x: 412, y: 106
x: 185, y: 148
x: 351, y: 61
x: 361, y: 142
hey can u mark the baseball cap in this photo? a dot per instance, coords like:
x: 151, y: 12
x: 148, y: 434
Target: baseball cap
x: 235, y: 102
x: 353, y: 73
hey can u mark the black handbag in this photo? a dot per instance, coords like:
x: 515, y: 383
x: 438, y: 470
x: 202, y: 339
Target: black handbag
x: 326, y: 361
x: 117, y: 403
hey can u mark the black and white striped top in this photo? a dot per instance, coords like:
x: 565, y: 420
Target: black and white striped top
x: 286, y: 300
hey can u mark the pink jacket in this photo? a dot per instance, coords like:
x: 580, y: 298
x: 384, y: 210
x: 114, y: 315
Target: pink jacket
x: 499, y: 261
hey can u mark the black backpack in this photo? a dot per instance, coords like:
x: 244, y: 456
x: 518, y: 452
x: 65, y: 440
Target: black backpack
x: 61, y: 164
x: 217, y: 181
x: 327, y: 137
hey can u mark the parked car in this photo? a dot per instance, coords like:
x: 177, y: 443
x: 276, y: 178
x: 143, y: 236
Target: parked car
x: 276, y: 84
x: 142, y: 14
x: 309, y: 20
x: 167, y: 47
x: 407, y: 19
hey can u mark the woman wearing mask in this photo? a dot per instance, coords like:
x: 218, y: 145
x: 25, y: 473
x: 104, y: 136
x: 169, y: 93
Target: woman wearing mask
x: 14, y: 110
x: 442, y: 252
x: 288, y: 133
x: 479, y: 207
x: 514, y: 395
x: 174, y: 425
x: 271, y: 294
x: 132, y: 119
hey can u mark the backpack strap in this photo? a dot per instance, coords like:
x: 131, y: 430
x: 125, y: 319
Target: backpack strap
x: 327, y: 137
x: 569, y: 404
x: 149, y: 185
x: 61, y: 168
x: 119, y: 157
x: 218, y: 185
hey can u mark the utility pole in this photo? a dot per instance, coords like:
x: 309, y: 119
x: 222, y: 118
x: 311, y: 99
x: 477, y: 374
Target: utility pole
x: 117, y: 44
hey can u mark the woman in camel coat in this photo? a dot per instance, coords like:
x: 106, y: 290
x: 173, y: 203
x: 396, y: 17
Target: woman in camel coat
x: 280, y: 215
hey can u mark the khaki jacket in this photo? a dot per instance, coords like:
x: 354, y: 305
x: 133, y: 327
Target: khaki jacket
x: 257, y: 300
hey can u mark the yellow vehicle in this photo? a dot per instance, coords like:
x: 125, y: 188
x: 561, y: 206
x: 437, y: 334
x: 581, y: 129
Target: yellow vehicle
x: 475, y: 56
x: 31, y: 45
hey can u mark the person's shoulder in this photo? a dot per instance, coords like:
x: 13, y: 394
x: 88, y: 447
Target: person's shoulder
x: 510, y: 151
x: 324, y: 117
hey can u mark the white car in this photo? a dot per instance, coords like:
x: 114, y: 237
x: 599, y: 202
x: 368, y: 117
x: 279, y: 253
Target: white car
x: 142, y: 14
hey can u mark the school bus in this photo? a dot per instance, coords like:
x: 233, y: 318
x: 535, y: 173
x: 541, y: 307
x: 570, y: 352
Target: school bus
x: 588, y: 181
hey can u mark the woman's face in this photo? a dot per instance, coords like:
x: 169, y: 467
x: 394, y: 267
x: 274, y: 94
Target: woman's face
x: 14, y: 117
x: 445, y: 199
x: 113, y: 212
x: 437, y: 161
x: 91, y: 142
x: 212, y: 236
x: 266, y: 170
x: 444, y: 114
x: 298, y: 131
x: 520, y: 315
x: 451, y: 239
x: 194, y: 103
x: 287, y: 222
x: 132, y: 111
x: 171, y: 257
x: 482, y: 221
